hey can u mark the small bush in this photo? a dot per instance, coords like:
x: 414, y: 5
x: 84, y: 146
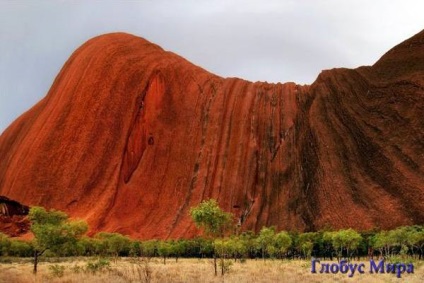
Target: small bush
x: 5, y: 260
x: 99, y: 265
x: 395, y: 259
x: 57, y: 270
x: 77, y: 269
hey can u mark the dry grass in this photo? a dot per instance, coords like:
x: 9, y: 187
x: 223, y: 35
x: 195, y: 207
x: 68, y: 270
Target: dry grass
x: 191, y: 270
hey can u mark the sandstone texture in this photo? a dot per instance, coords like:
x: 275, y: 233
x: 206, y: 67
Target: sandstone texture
x: 13, y: 220
x: 130, y: 136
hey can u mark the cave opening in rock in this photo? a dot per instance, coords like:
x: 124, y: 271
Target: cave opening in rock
x: 10, y: 207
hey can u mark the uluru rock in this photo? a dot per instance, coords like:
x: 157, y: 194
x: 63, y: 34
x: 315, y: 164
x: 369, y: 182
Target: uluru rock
x: 130, y: 136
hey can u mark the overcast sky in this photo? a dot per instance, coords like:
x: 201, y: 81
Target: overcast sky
x: 274, y: 41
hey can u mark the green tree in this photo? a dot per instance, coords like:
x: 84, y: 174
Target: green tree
x: 136, y: 249
x: 115, y: 244
x: 399, y: 238
x: 327, y: 244
x: 367, y: 243
x: 212, y: 219
x: 224, y: 248
x: 382, y: 242
x: 306, y: 248
x: 164, y: 250
x: 347, y: 239
x: 179, y: 248
x: 282, y: 242
x: 416, y: 240
x: 265, y: 241
x: 52, y: 231
x: 88, y: 246
x: 221, y: 247
x: 238, y: 247
x: 204, y: 247
x: 250, y: 242
x: 149, y: 248
x: 305, y: 242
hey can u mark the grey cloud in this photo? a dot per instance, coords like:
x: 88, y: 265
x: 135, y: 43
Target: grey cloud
x: 274, y: 41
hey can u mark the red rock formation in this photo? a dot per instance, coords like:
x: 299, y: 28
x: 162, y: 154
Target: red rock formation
x: 130, y: 137
x: 13, y: 220
x: 15, y: 226
x: 10, y: 207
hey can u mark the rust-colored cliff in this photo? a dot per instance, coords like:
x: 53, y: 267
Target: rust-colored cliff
x: 130, y: 136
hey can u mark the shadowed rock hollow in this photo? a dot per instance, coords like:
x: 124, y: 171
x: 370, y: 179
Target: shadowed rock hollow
x: 13, y: 220
x: 130, y: 136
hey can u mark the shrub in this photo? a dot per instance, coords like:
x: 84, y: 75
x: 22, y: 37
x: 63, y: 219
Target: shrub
x: 57, y: 270
x: 97, y: 266
x: 20, y: 248
x: 4, y: 244
x: 77, y: 269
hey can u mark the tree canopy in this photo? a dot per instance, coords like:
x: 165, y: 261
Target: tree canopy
x: 53, y: 231
x: 210, y: 217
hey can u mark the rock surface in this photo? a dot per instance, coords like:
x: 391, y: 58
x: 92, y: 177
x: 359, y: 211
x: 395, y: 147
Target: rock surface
x: 130, y: 136
x: 13, y: 220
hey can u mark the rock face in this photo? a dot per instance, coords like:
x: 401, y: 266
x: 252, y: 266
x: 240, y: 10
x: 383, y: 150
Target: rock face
x: 130, y: 136
x: 13, y: 220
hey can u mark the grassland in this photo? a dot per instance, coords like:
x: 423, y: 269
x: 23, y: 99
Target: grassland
x: 185, y: 270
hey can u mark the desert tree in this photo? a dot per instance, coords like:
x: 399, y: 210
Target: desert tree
x: 249, y: 240
x: 305, y: 243
x: 265, y: 241
x: 212, y: 219
x: 149, y: 248
x: 382, y: 242
x: 237, y: 247
x: 327, y: 244
x: 347, y: 239
x: 136, y: 248
x: 282, y: 242
x: 52, y: 231
x: 179, y: 248
x: 164, y: 249
x: 416, y: 240
x: 114, y: 244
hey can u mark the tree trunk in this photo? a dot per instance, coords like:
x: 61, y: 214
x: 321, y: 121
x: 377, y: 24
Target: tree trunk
x: 214, y: 264
x: 35, y: 261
